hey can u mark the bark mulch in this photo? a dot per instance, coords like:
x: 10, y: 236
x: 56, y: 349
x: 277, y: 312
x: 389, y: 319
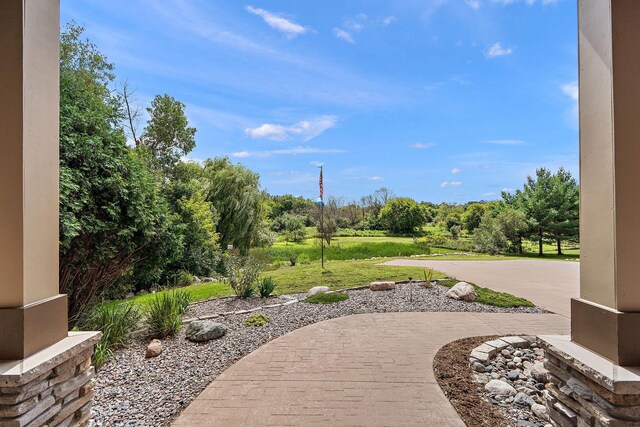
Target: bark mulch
x: 451, y: 368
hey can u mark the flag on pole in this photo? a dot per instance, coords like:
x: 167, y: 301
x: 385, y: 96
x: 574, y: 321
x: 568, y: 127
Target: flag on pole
x: 321, y: 185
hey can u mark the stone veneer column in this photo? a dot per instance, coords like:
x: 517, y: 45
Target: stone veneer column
x: 46, y: 377
x: 592, y: 375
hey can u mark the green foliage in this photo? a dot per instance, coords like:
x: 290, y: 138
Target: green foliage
x: 116, y: 322
x: 402, y: 215
x: 266, y: 286
x: 111, y: 215
x: 243, y: 273
x: 291, y: 227
x: 460, y: 245
x: 257, y: 320
x: 233, y: 190
x: 167, y: 135
x: 327, y: 298
x: 455, y: 231
x: 550, y: 204
x: 428, y: 277
x: 472, y: 216
x: 304, y: 259
x: 490, y: 297
x: 164, y: 312
x: 184, y: 278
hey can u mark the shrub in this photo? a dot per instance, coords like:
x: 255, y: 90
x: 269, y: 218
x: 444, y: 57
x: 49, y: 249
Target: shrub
x: 164, y: 316
x: 304, y: 259
x: 184, y: 278
x: 243, y: 273
x: 266, y: 287
x: 293, y: 258
x: 327, y: 298
x: 402, y: 215
x: 257, y: 320
x: 116, y: 321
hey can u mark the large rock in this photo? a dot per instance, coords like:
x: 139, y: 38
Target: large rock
x: 540, y: 411
x: 539, y: 372
x: 318, y: 290
x: 382, y: 286
x: 462, y: 291
x: 205, y: 330
x: 499, y: 388
x: 154, y: 349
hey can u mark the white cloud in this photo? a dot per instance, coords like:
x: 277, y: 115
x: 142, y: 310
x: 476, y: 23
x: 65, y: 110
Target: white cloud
x: 316, y: 164
x: 508, y: 190
x: 304, y: 130
x: 422, y: 145
x: 489, y: 194
x: 506, y: 142
x: 473, y: 4
x: 446, y: 184
x: 241, y: 154
x: 456, y: 171
x: 286, y: 152
x: 389, y: 20
x: 277, y: 22
x: 376, y: 178
x: 497, y: 50
x: 572, y: 91
x: 528, y: 2
x: 342, y: 34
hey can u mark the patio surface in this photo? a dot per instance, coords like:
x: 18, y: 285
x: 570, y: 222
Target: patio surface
x: 548, y: 284
x: 360, y: 370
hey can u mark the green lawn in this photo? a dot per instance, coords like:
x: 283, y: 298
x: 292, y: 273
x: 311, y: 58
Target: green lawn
x: 490, y: 297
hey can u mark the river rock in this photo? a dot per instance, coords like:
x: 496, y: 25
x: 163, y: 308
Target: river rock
x: 500, y: 388
x: 205, y: 330
x: 154, y: 349
x: 462, y: 291
x: 382, y: 286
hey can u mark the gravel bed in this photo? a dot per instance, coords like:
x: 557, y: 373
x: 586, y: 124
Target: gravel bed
x: 132, y: 391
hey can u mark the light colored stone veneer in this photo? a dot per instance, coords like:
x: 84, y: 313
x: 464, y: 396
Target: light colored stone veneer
x: 51, y: 388
x: 588, y: 390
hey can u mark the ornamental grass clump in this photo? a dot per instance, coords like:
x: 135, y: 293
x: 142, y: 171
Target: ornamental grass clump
x: 266, y: 286
x: 164, y: 315
x: 117, y: 322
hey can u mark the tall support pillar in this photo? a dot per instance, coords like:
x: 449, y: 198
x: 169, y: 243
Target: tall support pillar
x: 33, y: 315
x: 606, y: 317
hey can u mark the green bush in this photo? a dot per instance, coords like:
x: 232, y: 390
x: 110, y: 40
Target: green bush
x: 339, y: 253
x: 304, y: 259
x: 164, y: 315
x: 327, y: 298
x: 257, y: 320
x: 243, y: 272
x: 266, y: 286
x: 184, y: 278
x: 116, y: 322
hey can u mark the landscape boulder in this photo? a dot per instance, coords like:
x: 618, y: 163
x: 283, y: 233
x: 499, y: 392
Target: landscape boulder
x: 205, y: 330
x: 318, y: 290
x: 154, y: 349
x: 499, y: 388
x: 197, y: 280
x: 382, y: 286
x: 462, y: 291
x: 540, y: 411
x: 539, y: 372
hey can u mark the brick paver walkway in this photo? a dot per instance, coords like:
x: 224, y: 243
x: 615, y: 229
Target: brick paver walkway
x: 548, y: 284
x: 361, y: 370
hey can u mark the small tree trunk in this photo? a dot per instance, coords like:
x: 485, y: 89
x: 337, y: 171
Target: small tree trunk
x: 540, y: 242
x: 520, y: 245
x: 559, y: 247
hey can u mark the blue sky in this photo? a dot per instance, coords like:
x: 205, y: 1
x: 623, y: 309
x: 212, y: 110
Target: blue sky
x: 437, y: 100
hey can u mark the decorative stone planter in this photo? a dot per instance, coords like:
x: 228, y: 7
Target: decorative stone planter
x: 586, y: 389
x: 53, y: 387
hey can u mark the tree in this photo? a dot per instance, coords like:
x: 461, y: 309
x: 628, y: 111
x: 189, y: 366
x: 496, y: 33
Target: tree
x: 234, y: 192
x: 291, y: 226
x: 167, y: 135
x: 402, y: 215
x: 497, y: 233
x: 472, y: 216
x: 566, y: 199
x: 329, y: 225
x: 513, y: 224
x: 550, y: 205
x: 111, y: 213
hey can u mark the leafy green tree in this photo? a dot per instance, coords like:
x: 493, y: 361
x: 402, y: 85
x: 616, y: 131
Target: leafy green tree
x: 472, y: 216
x: 234, y: 192
x: 167, y: 135
x: 402, y: 215
x: 489, y: 237
x: 513, y: 224
x: 290, y: 226
x: 110, y: 210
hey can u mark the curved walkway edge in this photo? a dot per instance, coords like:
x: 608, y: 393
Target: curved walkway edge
x: 359, y: 370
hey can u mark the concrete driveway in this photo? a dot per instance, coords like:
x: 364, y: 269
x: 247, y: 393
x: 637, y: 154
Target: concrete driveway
x: 548, y: 284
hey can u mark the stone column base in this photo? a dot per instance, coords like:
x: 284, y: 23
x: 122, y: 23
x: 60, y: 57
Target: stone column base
x: 586, y: 389
x: 53, y: 387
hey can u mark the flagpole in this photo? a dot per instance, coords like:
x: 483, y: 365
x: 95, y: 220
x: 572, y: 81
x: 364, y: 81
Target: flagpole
x: 320, y: 202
